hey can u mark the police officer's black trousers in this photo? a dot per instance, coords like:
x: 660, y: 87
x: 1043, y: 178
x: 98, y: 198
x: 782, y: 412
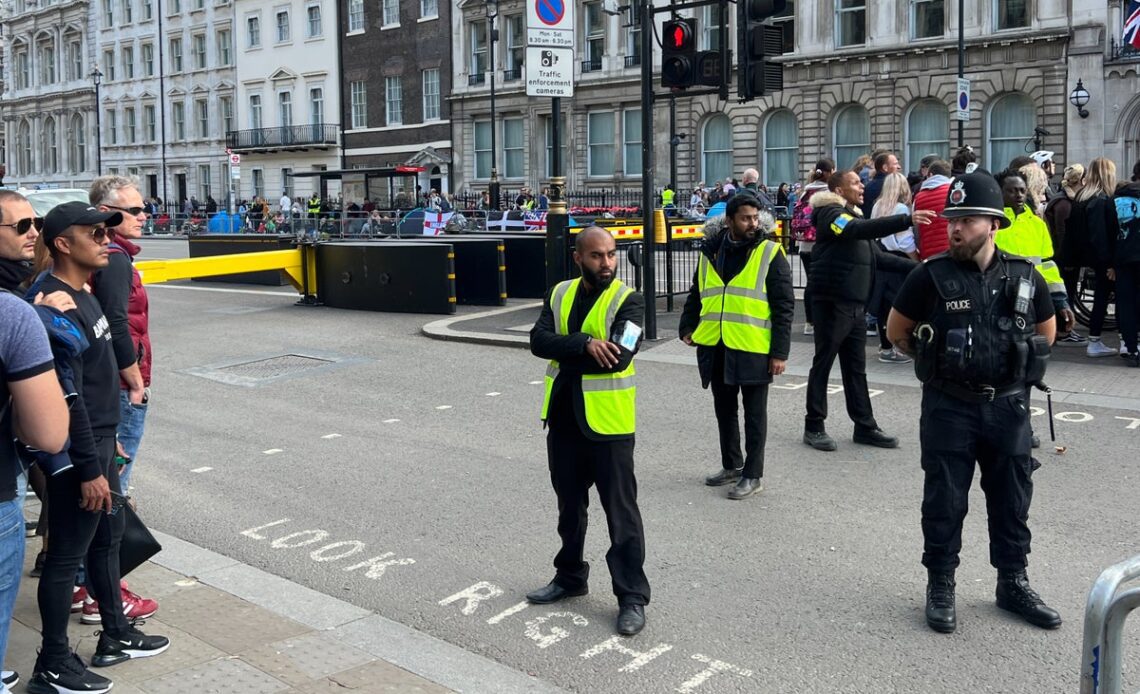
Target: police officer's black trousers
x: 576, y: 464
x: 755, y: 424
x: 840, y: 330
x: 954, y: 434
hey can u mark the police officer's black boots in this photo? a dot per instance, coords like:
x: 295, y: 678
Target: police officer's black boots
x: 940, y: 615
x: 1015, y: 595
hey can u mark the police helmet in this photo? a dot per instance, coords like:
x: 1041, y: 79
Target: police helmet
x: 976, y: 194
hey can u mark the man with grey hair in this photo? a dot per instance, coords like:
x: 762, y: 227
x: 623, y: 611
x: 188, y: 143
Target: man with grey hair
x: 750, y: 180
x: 120, y: 292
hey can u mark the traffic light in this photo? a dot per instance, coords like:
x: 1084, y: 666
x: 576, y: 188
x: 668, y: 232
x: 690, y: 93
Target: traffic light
x: 757, y: 42
x: 679, y: 53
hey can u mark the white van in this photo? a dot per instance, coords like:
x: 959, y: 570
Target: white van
x: 44, y: 199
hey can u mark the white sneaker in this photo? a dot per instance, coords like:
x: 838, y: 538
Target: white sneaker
x: 809, y: 329
x: 1097, y: 348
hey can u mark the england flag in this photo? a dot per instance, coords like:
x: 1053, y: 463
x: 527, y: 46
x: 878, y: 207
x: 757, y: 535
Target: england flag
x: 1131, y: 35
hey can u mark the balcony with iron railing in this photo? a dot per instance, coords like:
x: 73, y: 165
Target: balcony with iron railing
x: 1123, y: 51
x: 512, y: 74
x: 592, y: 65
x: 286, y: 137
x: 632, y: 60
x: 476, y: 79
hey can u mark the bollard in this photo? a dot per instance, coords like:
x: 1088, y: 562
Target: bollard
x: 660, y: 230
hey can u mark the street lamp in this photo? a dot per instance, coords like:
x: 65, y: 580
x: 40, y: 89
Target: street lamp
x: 1080, y: 98
x: 492, y: 9
x: 97, y: 79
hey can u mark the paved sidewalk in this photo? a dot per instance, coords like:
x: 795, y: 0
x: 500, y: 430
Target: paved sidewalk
x: 235, y: 629
x: 1074, y: 378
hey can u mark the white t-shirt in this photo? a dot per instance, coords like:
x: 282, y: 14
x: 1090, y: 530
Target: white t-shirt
x: 902, y: 240
x: 285, y: 203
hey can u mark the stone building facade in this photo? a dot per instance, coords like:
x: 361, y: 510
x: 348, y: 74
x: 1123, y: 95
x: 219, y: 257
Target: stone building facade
x: 859, y: 75
x: 48, y: 97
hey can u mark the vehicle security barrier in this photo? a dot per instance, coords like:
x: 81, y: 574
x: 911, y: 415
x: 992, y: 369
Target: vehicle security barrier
x: 480, y: 268
x: 1107, y: 608
x: 205, y: 245
x: 395, y: 276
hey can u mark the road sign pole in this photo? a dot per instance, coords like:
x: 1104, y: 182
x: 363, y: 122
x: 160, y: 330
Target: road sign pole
x: 557, y: 221
x: 648, y: 240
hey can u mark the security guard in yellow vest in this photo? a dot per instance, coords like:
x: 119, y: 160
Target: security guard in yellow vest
x: 739, y: 315
x: 588, y: 407
x: 314, y: 208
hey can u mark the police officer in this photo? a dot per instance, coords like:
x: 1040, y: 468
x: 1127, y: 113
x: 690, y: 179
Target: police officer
x: 739, y: 314
x: 979, y: 323
x: 589, y: 329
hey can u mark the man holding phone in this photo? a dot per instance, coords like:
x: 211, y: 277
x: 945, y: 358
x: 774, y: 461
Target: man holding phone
x: 589, y: 329
x: 79, y: 520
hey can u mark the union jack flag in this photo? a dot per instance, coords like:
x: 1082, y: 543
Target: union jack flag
x: 1132, y: 24
x: 535, y: 221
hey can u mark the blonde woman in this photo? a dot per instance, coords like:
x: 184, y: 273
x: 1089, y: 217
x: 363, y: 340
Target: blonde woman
x: 1037, y: 183
x: 1089, y: 233
x: 1057, y: 213
x: 895, y: 199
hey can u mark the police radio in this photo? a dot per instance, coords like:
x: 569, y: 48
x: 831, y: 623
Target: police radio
x: 1023, y: 296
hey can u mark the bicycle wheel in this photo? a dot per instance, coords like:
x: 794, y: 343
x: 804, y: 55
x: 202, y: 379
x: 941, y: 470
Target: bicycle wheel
x: 1083, y: 300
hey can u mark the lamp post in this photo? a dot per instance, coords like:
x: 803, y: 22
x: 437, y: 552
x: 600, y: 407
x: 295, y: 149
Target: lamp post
x: 492, y: 9
x: 1080, y: 98
x: 97, y: 79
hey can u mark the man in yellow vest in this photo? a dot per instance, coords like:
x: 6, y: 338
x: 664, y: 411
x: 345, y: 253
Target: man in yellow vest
x: 589, y: 329
x: 739, y: 315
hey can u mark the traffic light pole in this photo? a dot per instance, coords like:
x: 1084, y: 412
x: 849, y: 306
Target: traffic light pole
x: 649, y: 264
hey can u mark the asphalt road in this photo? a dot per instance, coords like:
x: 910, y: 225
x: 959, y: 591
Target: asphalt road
x: 408, y: 476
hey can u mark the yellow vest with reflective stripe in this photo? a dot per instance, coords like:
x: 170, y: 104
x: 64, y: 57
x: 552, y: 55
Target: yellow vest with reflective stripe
x: 609, y: 399
x: 737, y: 313
x: 1028, y: 236
x: 667, y: 196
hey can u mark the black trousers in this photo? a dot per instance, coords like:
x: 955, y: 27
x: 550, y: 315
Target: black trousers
x: 840, y: 330
x: 725, y: 404
x: 80, y: 536
x: 576, y: 464
x: 1128, y: 302
x: 955, y: 435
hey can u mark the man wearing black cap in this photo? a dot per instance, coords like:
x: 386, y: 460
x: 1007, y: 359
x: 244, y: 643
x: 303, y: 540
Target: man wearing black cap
x: 979, y: 323
x: 84, y: 520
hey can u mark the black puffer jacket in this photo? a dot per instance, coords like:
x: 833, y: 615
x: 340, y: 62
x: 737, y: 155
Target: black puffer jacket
x: 742, y: 368
x: 1090, y: 233
x: 845, y: 257
x: 1128, y: 238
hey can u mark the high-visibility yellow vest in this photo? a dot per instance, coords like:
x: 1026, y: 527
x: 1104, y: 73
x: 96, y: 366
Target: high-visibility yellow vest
x: 737, y: 313
x: 610, y: 399
x: 1028, y: 236
x: 314, y: 205
x: 667, y: 196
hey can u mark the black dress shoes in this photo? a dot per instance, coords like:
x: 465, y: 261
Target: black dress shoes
x: 1015, y: 595
x: 746, y: 487
x: 820, y: 441
x: 552, y: 592
x: 631, y: 619
x: 940, y: 614
x: 722, y: 478
x: 876, y: 437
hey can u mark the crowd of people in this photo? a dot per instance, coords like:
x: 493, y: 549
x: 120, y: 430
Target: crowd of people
x: 75, y: 356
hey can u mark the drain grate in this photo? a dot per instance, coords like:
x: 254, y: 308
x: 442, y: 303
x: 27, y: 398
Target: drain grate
x: 275, y: 367
x: 255, y: 371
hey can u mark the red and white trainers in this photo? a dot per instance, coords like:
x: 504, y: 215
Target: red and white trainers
x: 134, y: 607
x: 78, y: 596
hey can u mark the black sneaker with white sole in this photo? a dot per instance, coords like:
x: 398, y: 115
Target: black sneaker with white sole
x: 113, y: 650
x: 67, y: 676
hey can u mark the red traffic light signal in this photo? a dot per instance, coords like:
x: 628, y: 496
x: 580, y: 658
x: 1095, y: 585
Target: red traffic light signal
x: 678, y: 53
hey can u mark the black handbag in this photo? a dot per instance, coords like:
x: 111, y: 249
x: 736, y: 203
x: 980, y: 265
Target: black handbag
x: 138, y: 544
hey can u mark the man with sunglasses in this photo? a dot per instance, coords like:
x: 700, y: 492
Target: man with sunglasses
x: 80, y: 522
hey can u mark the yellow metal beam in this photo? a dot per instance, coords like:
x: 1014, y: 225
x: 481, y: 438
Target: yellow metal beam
x: 156, y: 271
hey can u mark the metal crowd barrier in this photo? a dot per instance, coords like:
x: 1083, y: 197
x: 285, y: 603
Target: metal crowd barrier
x: 1108, y: 606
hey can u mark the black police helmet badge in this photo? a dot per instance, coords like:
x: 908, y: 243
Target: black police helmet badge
x: 976, y: 194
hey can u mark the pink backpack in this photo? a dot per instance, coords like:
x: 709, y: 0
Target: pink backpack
x: 802, y: 228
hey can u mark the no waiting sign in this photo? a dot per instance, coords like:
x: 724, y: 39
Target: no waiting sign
x: 550, y: 23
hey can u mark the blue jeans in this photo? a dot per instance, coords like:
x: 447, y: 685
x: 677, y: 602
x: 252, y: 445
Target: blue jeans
x: 132, y: 420
x: 11, y: 562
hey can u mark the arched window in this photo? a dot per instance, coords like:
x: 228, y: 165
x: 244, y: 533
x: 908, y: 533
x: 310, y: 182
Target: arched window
x: 77, y: 145
x: 24, y: 148
x: 1011, y: 122
x: 852, y: 135
x: 927, y: 132
x: 51, y: 146
x: 781, y: 149
x: 716, y: 149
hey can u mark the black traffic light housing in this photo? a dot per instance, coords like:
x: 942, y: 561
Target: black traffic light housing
x: 679, y: 53
x: 757, y: 42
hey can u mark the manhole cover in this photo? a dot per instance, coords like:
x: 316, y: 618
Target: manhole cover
x: 274, y: 367
x: 265, y: 369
